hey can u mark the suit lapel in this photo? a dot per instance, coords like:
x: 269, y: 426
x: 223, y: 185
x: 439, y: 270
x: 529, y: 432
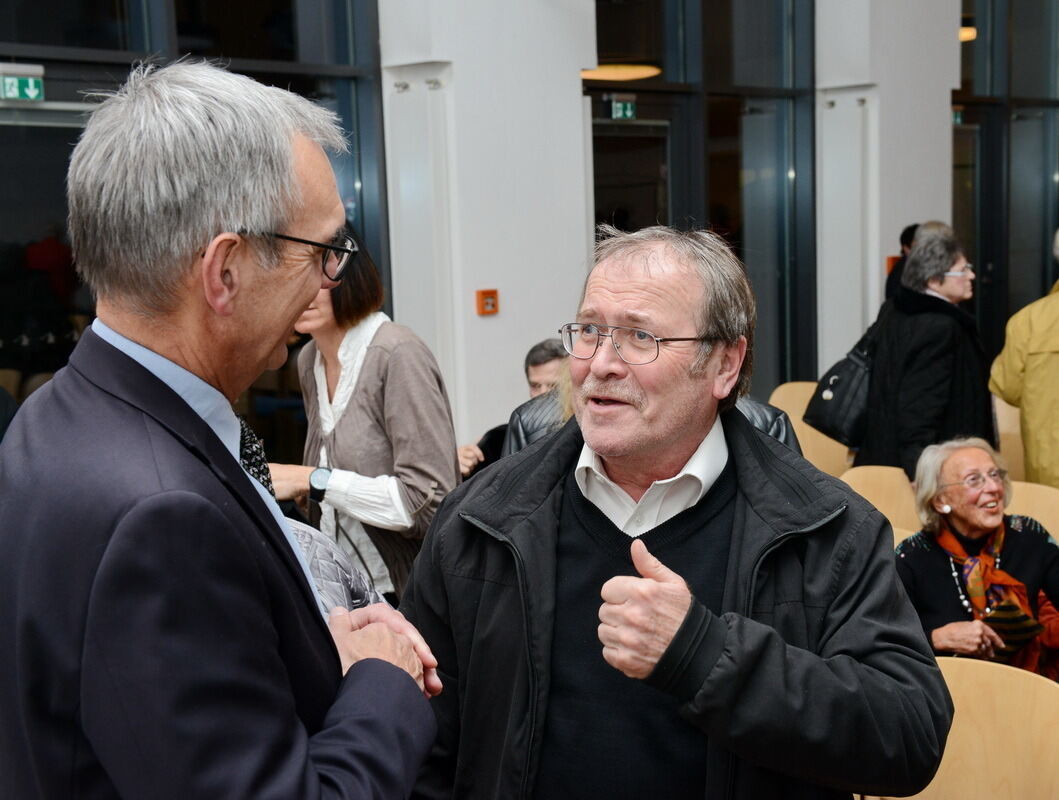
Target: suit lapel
x: 118, y: 375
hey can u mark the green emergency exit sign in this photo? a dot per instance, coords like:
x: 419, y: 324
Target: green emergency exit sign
x: 623, y: 109
x: 14, y: 87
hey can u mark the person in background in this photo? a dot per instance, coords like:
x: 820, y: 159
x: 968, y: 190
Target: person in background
x: 543, y: 367
x: 162, y: 635
x: 1026, y: 375
x: 753, y: 639
x: 929, y: 375
x: 893, y: 280
x: 379, y: 453
x: 980, y: 579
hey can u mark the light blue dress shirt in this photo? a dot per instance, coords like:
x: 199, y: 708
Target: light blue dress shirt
x: 216, y: 412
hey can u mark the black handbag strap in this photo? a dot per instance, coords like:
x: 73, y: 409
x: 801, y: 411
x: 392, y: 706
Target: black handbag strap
x: 868, y: 342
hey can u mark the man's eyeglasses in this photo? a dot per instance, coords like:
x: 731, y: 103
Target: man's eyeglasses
x: 336, y: 255
x: 976, y: 480
x: 633, y: 345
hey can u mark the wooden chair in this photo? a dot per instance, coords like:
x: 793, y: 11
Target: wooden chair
x: 1009, y: 431
x: 1037, y: 501
x: 888, y: 489
x: 821, y: 451
x: 11, y: 379
x: 900, y: 534
x: 1002, y: 741
x: 34, y: 382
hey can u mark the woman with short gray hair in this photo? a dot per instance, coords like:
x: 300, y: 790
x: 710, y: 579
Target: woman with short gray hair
x: 983, y: 582
x: 929, y: 379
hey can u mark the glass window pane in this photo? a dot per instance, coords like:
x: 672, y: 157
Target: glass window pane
x: 270, y: 30
x: 1033, y: 168
x: 750, y: 190
x: 1034, y: 41
x: 642, y: 32
x: 631, y: 165
x: 111, y: 25
x: 38, y: 286
x: 748, y: 43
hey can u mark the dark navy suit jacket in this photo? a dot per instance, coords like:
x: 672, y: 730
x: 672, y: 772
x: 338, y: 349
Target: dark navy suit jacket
x: 157, y: 636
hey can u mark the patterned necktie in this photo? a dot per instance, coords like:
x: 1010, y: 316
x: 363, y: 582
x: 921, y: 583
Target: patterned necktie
x: 252, y: 456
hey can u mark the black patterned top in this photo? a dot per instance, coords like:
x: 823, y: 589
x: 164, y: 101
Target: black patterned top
x: 1029, y: 554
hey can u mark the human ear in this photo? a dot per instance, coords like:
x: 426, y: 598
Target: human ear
x: 729, y: 362
x: 220, y: 272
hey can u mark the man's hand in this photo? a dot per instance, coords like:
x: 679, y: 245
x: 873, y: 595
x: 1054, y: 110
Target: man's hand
x: 967, y: 638
x: 640, y: 616
x: 374, y: 640
x: 291, y: 481
x: 381, y: 613
x: 470, y: 456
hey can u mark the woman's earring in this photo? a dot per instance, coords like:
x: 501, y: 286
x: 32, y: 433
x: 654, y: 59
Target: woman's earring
x: 945, y: 509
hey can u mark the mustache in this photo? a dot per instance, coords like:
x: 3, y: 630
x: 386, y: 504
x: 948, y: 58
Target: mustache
x: 613, y: 390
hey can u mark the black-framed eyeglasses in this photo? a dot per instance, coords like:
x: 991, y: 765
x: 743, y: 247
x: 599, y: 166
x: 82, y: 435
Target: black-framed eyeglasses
x: 336, y: 255
x: 977, y: 480
x: 633, y: 345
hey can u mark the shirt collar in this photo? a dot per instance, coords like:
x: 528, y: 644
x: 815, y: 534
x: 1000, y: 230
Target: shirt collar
x: 704, y: 466
x: 204, y: 399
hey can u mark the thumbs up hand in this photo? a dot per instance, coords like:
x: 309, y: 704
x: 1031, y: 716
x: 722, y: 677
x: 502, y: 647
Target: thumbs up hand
x: 640, y: 616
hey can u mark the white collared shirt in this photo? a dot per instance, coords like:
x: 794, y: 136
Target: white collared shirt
x: 663, y: 499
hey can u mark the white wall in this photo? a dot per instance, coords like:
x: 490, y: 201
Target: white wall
x: 884, y: 73
x: 487, y: 178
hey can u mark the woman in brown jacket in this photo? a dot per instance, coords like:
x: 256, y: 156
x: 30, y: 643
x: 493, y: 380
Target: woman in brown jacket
x: 380, y: 450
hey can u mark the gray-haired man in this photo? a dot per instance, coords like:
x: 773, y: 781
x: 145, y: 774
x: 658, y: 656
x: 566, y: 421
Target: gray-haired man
x: 160, y: 630
x: 753, y: 640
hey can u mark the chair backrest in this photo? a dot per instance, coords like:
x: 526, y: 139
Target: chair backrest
x: 1009, y: 431
x: 11, y: 379
x: 1037, y: 501
x: 821, y: 451
x: 888, y: 489
x: 1002, y: 741
x: 34, y: 382
x: 900, y: 534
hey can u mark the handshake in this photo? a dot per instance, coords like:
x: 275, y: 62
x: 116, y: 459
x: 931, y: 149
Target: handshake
x: 379, y: 631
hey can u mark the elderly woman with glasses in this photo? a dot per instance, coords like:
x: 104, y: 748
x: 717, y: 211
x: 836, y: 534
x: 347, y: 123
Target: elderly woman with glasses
x: 929, y: 378
x: 980, y: 579
x: 380, y: 453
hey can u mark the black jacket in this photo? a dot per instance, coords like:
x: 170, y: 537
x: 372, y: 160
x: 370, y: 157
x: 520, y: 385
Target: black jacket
x: 929, y: 381
x: 817, y: 673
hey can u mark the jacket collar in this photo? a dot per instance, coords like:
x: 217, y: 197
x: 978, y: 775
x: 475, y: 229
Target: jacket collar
x: 120, y: 376
x: 786, y: 493
x: 913, y: 302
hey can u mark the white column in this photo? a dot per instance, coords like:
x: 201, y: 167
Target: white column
x: 884, y: 73
x: 488, y: 183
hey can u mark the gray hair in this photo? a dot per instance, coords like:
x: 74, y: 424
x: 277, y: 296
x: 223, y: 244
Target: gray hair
x: 934, y: 250
x: 928, y: 475
x: 176, y: 156
x: 543, y: 352
x: 728, y: 310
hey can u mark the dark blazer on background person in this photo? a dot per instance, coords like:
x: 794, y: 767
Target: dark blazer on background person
x: 929, y: 381
x: 162, y: 639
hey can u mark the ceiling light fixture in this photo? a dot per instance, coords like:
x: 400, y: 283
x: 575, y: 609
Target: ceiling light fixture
x: 621, y: 72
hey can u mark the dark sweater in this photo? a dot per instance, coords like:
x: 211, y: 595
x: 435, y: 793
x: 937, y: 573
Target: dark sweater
x: 926, y: 573
x: 607, y: 735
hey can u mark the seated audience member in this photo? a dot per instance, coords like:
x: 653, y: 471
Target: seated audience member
x: 976, y: 575
x: 753, y: 640
x: 1026, y: 375
x: 379, y: 449
x: 543, y: 365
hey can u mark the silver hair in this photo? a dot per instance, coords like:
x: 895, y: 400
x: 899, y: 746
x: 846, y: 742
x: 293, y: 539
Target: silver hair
x: 728, y: 309
x: 935, y: 249
x: 928, y: 475
x: 176, y: 156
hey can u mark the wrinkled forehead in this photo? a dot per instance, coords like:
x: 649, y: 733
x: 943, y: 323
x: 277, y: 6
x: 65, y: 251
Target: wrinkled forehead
x: 967, y: 460
x: 650, y: 263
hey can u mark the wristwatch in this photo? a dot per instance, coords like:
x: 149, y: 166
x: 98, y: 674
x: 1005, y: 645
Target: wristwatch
x: 318, y: 479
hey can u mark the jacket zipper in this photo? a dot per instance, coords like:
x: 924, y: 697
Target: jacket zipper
x: 520, y: 573
x: 767, y: 550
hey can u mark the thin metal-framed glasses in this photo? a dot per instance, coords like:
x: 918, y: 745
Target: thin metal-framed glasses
x: 976, y: 480
x: 634, y: 346
x: 959, y: 273
x: 336, y: 255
